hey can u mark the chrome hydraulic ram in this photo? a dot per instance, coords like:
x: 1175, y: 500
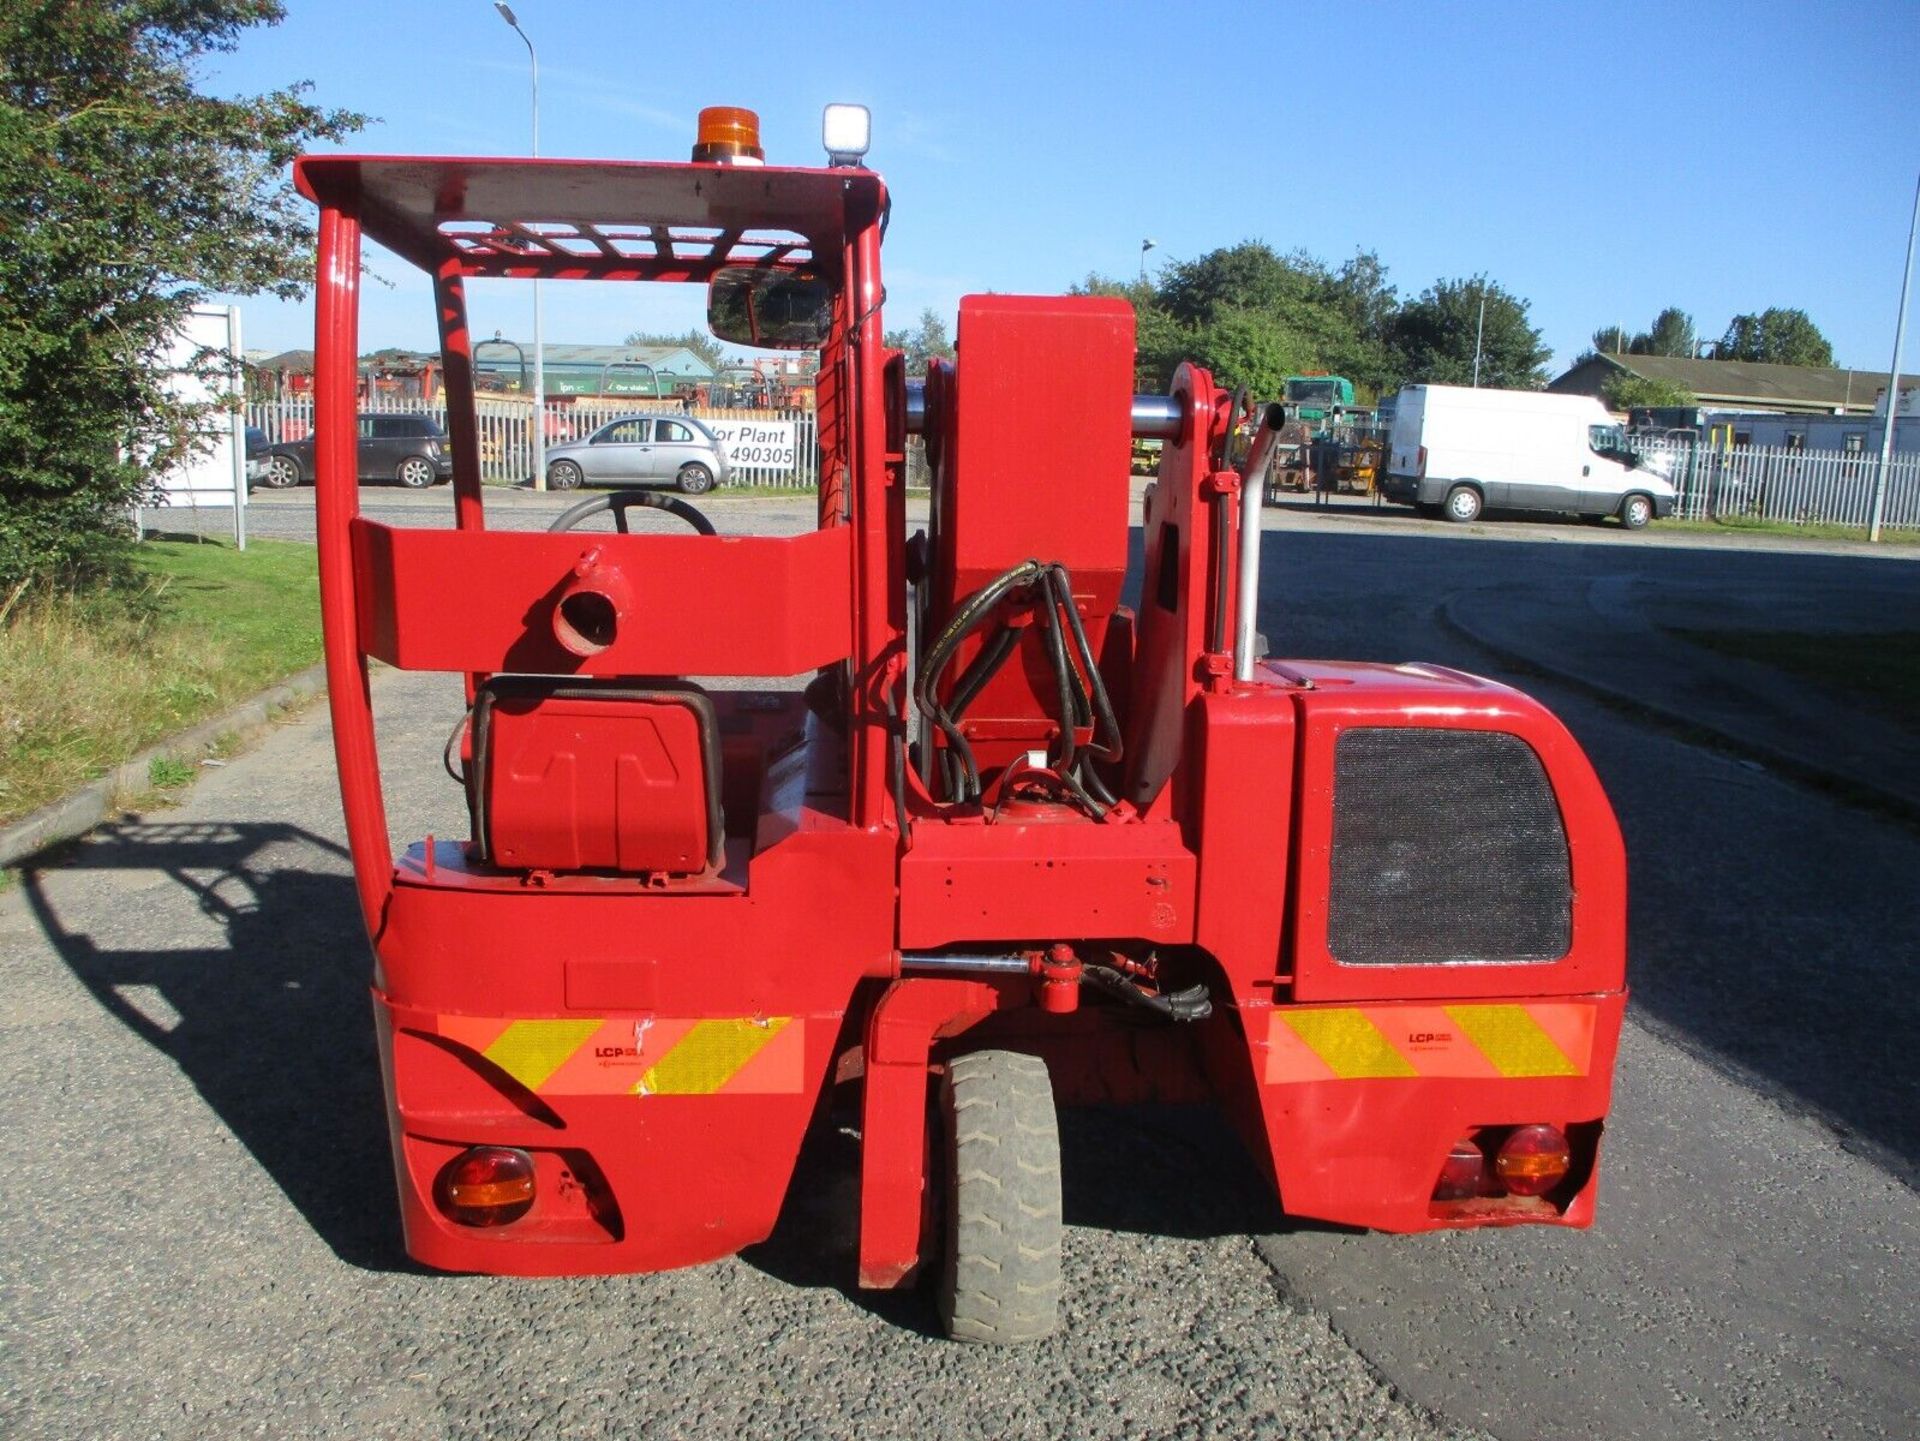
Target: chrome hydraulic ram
x: 1005, y: 964
x: 1153, y: 416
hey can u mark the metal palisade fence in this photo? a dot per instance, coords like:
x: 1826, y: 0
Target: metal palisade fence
x: 1800, y: 487
x: 765, y: 448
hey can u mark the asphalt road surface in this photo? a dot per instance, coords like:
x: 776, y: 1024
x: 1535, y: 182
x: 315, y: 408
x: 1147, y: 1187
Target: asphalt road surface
x: 198, y: 1233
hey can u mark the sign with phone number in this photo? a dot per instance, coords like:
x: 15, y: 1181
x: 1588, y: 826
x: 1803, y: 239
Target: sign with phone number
x: 757, y: 444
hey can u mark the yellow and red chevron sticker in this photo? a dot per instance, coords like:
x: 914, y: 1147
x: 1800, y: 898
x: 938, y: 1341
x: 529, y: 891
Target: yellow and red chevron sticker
x: 1353, y: 1043
x: 644, y: 1056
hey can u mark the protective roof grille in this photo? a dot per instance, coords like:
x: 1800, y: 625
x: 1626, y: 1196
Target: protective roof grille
x: 596, y: 219
x: 703, y: 246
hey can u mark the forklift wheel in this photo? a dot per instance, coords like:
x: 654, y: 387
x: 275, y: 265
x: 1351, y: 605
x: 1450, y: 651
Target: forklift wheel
x: 1000, y: 1277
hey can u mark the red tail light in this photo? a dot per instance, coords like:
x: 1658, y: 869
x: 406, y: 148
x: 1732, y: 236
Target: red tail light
x: 1463, y: 1174
x: 1533, y: 1161
x: 1423, y: 462
x: 487, y: 1186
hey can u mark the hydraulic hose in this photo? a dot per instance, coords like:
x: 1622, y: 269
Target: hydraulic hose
x: 1101, y: 714
x: 1191, y: 1004
x: 1222, y: 533
x: 964, y: 786
x: 1079, y: 689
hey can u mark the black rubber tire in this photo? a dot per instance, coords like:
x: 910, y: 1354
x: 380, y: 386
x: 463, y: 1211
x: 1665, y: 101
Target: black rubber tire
x: 694, y: 479
x: 1000, y: 1275
x: 1636, y: 511
x: 416, y: 472
x: 282, y: 471
x: 1463, y: 504
x: 563, y: 475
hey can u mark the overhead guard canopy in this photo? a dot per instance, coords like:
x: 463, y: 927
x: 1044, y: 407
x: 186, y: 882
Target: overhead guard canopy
x: 595, y: 219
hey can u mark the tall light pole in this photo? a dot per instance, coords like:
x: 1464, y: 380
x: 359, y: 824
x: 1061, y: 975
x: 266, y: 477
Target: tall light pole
x: 1479, y: 330
x: 539, y: 347
x: 1145, y: 246
x: 1893, y: 380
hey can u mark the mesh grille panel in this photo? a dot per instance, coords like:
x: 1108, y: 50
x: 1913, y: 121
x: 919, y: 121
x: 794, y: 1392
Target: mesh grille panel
x: 1447, y: 847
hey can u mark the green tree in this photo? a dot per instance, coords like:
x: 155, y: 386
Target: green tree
x: 1247, y: 276
x: 1253, y: 348
x: 924, y: 342
x: 1359, y: 289
x: 700, y: 342
x: 1784, y: 337
x: 1434, y: 337
x: 1362, y: 348
x: 1671, y: 334
x: 125, y: 195
x: 1246, y: 308
x: 1624, y: 391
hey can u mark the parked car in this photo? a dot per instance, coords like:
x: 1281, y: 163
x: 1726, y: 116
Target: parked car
x: 410, y: 449
x: 642, y: 450
x: 257, y: 447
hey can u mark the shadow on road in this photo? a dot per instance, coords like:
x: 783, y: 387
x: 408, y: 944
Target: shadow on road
x: 273, y: 1024
x: 275, y: 1032
x: 1146, y: 1170
x: 1347, y: 506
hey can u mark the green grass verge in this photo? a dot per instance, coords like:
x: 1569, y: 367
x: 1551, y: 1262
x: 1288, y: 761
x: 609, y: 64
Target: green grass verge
x: 1749, y: 525
x: 168, y: 772
x: 88, y: 682
x: 1882, y: 668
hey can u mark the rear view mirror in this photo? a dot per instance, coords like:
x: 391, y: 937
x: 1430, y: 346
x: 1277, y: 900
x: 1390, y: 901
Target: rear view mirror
x: 769, y: 309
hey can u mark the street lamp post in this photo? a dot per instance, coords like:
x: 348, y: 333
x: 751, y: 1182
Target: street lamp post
x: 1893, y: 381
x: 1145, y: 246
x: 1479, y: 330
x: 539, y: 346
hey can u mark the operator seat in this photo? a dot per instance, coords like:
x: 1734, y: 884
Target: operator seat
x: 577, y: 774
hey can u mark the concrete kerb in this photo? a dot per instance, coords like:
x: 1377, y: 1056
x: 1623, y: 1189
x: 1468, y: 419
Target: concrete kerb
x: 73, y: 816
x: 1689, y: 726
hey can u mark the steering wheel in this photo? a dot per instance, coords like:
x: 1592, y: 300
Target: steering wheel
x: 622, y: 501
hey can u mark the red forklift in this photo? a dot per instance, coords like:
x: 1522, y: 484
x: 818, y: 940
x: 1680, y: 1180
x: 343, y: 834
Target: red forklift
x: 962, y: 824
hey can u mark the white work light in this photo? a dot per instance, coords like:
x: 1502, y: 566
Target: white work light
x: 844, y: 130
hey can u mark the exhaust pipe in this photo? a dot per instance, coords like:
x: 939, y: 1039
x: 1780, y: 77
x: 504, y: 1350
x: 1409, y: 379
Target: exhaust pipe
x: 586, y: 618
x: 1253, y: 494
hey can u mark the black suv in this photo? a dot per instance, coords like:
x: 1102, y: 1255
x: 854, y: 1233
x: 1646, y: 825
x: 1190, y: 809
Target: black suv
x: 410, y: 449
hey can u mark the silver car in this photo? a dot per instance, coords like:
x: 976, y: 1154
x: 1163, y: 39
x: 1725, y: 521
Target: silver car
x: 642, y: 450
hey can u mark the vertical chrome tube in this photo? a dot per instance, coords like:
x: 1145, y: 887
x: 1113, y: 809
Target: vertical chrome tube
x: 1253, y: 494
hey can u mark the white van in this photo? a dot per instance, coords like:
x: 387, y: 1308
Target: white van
x: 1456, y: 452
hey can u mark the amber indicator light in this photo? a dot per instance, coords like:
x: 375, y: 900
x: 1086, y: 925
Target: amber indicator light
x: 728, y: 134
x: 1532, y: 1161
x: 487, y: 1186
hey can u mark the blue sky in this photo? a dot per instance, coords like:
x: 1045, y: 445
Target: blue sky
x: 1600, y: 161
